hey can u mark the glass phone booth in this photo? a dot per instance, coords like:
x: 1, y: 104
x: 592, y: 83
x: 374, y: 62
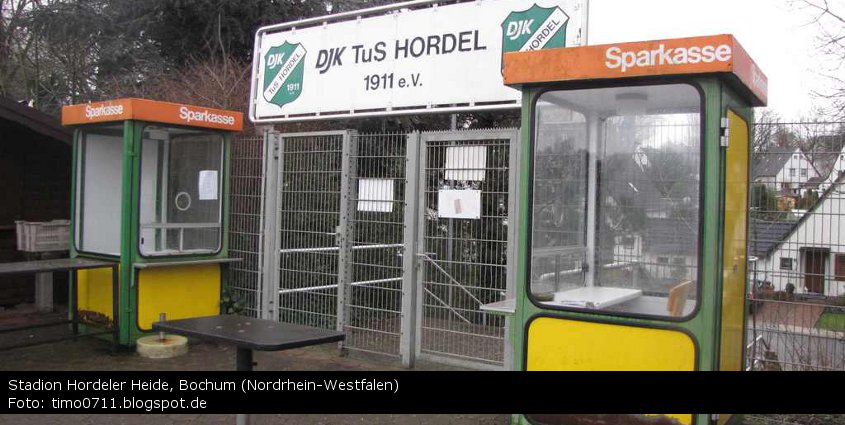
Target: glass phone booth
x: 150, y: 189
x: 633, y: 210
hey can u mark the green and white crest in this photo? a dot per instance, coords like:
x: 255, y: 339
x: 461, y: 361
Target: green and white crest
x: 534, y: 29
x: 283, y: 70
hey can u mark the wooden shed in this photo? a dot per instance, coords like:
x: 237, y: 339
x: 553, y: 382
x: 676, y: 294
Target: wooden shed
x: 35, y: 168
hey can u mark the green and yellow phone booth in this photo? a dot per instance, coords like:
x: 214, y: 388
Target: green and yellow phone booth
x: 633, y: 208
x: 150, y: 191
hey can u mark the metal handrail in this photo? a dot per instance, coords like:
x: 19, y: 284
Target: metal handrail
x: 334, y: 285
x: 459, y: 284
x: 445, y: 304
x: 337, y: 248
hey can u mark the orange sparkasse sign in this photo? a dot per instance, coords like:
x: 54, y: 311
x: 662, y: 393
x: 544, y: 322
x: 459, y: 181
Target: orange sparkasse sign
x: 153, y: 111
x: 693, y: 55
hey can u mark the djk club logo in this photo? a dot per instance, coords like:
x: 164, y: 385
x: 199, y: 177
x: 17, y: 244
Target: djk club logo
x: 284, y: 68
x: 534, y: 29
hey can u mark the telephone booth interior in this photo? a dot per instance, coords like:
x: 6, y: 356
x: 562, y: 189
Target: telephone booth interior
x: 633, y: 208
x: 150, y: 191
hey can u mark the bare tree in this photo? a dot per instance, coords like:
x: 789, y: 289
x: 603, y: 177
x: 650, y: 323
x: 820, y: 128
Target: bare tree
x: 829, y: 17
x: 768, y: 124
x: 17, y: 49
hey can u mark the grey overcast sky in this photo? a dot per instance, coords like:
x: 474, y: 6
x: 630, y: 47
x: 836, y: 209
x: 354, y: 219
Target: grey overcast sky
x: 777, y: 34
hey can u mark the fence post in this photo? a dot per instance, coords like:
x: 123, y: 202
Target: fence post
x: 269, y: 259
x: 345, y: 229
x: 511, y: 255
x: 407, y: 340
x: 419, y: 242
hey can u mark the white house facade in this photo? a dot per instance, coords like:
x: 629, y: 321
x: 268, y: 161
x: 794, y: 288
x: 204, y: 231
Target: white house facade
x: 811, y: 256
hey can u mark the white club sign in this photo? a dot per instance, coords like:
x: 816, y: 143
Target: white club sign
x: 411, y: 57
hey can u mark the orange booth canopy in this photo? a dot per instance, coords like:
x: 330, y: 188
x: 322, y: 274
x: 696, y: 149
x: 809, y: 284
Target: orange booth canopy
x: 152, y: 111
x: 716, y: 54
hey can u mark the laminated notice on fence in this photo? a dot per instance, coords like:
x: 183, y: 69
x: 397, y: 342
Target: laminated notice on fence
x: 208, y: 185
x: 466, y: 162
x: 375, y: 195
x: 459, y: 204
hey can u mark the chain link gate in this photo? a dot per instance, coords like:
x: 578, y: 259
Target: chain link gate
x: 303, y: 210
x: 468, y: 202
x: 342, y: 212
x: 373, y: 250
x: 335, y: 210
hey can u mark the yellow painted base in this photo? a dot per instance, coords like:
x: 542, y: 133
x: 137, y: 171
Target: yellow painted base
x: 95, y: 291
x: 571, y: 345
x: 179, y: 291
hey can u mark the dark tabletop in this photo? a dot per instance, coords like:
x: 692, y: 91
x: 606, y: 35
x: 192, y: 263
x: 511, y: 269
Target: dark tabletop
x: 247, y: 332
x: 56, y: 265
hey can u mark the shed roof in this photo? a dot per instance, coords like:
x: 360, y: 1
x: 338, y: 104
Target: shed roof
x: 34, y: 120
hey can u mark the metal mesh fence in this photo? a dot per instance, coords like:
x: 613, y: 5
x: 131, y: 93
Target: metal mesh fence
x: 465, y: 246
x: 245, y: 211
x: 374, y: 294
x: 308, y: 216
x: 797, y: 243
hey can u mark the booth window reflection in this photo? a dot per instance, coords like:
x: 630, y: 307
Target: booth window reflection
x: 616, y: 190
x: 98, y: 191
x: 180, y: 205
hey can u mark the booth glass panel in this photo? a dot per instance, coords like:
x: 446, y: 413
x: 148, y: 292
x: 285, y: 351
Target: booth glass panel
x: 615, y: 223
x: 98, y: 189
x: 181, y: 183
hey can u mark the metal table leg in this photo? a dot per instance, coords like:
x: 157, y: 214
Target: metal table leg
x: 244, y: 361
x: 244, y: 364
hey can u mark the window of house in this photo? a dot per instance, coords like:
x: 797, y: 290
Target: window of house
x: 180, y: 205
x: 785, y: 263
x: 613, y: 165
x: 804, y: 172
x: 839, y: 267
x: 795, y: 156
x: 791, y: 172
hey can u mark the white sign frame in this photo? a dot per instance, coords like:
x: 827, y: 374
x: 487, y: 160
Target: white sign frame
x: 488, y: 94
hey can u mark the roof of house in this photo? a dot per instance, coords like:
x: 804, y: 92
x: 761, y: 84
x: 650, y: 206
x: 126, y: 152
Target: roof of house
x: 34, y: 120
x: 796, y: 224
x: 670, y: 236
x: 812, y: 182
x: 770, y: 162
x: 829, y: 148
x: 763, y: 235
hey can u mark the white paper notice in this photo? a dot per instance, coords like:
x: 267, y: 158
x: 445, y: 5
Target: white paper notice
x: 459, y: 204
x: 375, y: 195
x: 208, y: 185
x: 466, y: 162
